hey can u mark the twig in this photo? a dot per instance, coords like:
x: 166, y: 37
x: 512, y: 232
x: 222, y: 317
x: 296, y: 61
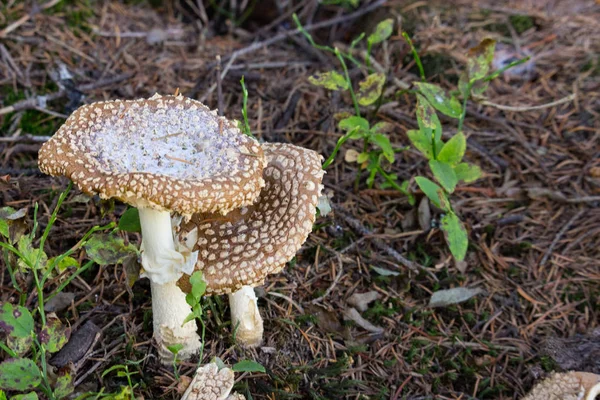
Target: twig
x: 559, y: 235
x: 333, y: 284
x: 584, y: 199
x: 567, y: 99
x: 219, y: 87
x: 358, y: 227
x: 24, y: 139
x: 50, y: 112
x: 39, y: 101
x: 289, y: 299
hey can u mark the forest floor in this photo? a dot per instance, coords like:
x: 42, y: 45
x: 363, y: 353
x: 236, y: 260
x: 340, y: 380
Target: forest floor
x: 533, y: 219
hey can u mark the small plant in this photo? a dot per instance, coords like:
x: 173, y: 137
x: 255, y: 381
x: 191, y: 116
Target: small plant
x: 445, y: 157
x: 377, y: 148
x: 31, y: 335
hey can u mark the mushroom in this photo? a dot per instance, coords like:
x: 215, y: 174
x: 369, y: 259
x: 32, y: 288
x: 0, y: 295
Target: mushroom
x: 212, y: 383
x: 567, y: 386
x: 163, y: 155
x: 238, y: 250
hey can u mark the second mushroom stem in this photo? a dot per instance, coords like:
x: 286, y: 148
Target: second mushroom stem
x: 245, y: 317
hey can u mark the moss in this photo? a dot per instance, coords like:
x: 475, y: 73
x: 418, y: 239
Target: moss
x: 32, y: 121
x: 521, y: 23
x: 76, y: 14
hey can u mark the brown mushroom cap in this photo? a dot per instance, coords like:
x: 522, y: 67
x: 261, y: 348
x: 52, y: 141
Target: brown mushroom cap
x: 165, y: 152
x: 244, y: 246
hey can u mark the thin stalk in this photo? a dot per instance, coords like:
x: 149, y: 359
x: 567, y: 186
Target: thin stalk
x: 339, y: 144
x: 74, y: 275
x: 77, y: 246
x: 368, y: 56
x: 13, y: 278
x: 8, y: 350
x: 245, y: 108
x: 354, y: 101
x: 415, y: 55
x: 392, y: 182
x: 501, y: 70
x: 461, y: 120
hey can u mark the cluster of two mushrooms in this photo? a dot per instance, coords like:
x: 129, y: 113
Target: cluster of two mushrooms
x: 240, y: 209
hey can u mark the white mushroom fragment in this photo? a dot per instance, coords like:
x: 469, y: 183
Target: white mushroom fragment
x: 162, y: 155
x: 567, y: 386
x: 237, y: 251
x: 212, y: 383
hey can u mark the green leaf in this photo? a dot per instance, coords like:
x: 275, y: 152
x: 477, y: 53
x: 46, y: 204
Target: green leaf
x: 19, y: 374
x: 30, y: 254
x: 329, y: 80
x: 220, y: 364
x: 190, y: 299
x: 357, y: 127
x: 467, y: 172
x: 20, y: 345
x: 248, y: 366
x: 382, y: 31
x: 4, y: 228
x: 383, y: 127
x: 456, y: 235
x: 54, y: 335
x: 430, y: 189
x: 64, y: 263
x: 63, y: 386
x: 428, y: 121
x: 479, y: 59
x: 440, y: 100
x: 444, y: 202
x: 28, y: 396
x: 16, y: 321
x: 421, y: 142
x: 454, y: 149
x: 108, y: 248
x: 11, y: 223
x: 198, y: 284
x: 347, y: 124
x: 370, y: 89
x: 362, y: 157
x: 175, y: 348
x: 444, y: 174
x: 130, y: 221
x: 384, y: 143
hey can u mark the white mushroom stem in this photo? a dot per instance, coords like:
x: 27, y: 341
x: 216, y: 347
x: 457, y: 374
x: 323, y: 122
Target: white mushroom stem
x: 245, y: 317
x: 169, y: 310
x: 164, y: 265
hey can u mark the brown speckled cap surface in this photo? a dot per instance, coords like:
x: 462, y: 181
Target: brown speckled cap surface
x: 246, y: 245
x: 565, y: 386
x: 166, y: 152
